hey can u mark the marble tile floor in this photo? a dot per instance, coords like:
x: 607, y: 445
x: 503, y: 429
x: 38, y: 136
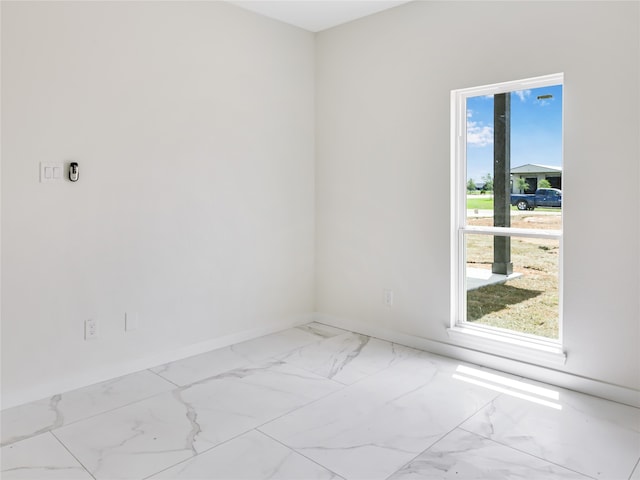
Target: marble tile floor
x: 317, y: 402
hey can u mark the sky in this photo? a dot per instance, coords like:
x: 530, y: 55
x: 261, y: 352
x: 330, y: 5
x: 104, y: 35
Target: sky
x: 536, y: 130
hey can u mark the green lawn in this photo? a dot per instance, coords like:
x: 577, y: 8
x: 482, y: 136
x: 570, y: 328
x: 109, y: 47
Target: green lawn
x: 487, y: 204
x: 480, y: 203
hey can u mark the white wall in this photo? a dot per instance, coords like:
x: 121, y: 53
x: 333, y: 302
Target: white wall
x: 193, y: 124
x: 383, y: 163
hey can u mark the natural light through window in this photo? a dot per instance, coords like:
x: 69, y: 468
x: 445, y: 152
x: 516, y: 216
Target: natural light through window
x: 507, y: 208
x: 508, y: 386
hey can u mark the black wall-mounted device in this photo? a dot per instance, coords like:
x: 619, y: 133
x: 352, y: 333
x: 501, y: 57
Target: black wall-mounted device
x: 74, y: 172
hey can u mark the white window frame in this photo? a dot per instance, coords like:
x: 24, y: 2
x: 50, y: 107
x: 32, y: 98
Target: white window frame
x: 510, y: 344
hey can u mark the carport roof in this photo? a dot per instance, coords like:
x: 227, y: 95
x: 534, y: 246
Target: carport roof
x: 534, y: 168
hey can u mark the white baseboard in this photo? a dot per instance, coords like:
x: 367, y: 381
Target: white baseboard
x: 598, y: 388
x: 118, y: 369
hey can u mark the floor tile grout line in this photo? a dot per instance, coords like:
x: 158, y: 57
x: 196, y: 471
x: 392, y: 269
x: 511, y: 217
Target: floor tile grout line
x: 256, y: 365
x: 445, y: 435
x: 586, y: 475
x: 203, y: 452
x: 637, y: 467
x: 112, y: 409
x: 71, y: 453
x: 266, y: 359
x: 341, y: 386
x: 258, y: 428
x: 64, y: 425
x: 277, y: 356
x: 392, y: 343
x: 414, y: 354
x: 299, y: 453
x: 413, y: 459
x: 208, y: 450
x: 274, y: 357
x: 330, y: 378
x: 163, y: 378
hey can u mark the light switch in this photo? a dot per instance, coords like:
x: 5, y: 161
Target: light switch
x: 51, y: 172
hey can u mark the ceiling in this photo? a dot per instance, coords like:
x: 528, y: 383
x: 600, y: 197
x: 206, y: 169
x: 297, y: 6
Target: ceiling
x: 316, y: 15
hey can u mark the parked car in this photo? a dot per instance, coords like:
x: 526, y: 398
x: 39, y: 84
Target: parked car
x: 544, y: 197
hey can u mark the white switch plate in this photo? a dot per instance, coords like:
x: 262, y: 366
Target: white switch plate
x: 51, y: 172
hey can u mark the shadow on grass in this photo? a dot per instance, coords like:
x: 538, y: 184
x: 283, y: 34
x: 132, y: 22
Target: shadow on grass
x: 494, y: 298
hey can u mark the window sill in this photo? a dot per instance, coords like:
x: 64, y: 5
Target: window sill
x: 531, y: 350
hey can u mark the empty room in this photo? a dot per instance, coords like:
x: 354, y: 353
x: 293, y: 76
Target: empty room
x: 295, y: 240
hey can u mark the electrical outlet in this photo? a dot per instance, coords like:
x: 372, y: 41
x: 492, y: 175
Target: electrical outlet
x: 130, y: 321
x: 388, y: 298
x: 90, y: 329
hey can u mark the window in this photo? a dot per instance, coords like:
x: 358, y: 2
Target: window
x: 507, y: 245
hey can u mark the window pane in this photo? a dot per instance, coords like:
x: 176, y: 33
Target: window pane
x: 524, y: 301
x: 514, y: 156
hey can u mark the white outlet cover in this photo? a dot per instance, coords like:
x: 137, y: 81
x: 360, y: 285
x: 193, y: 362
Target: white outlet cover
x: 388, y: 298
x: 90, y: 329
